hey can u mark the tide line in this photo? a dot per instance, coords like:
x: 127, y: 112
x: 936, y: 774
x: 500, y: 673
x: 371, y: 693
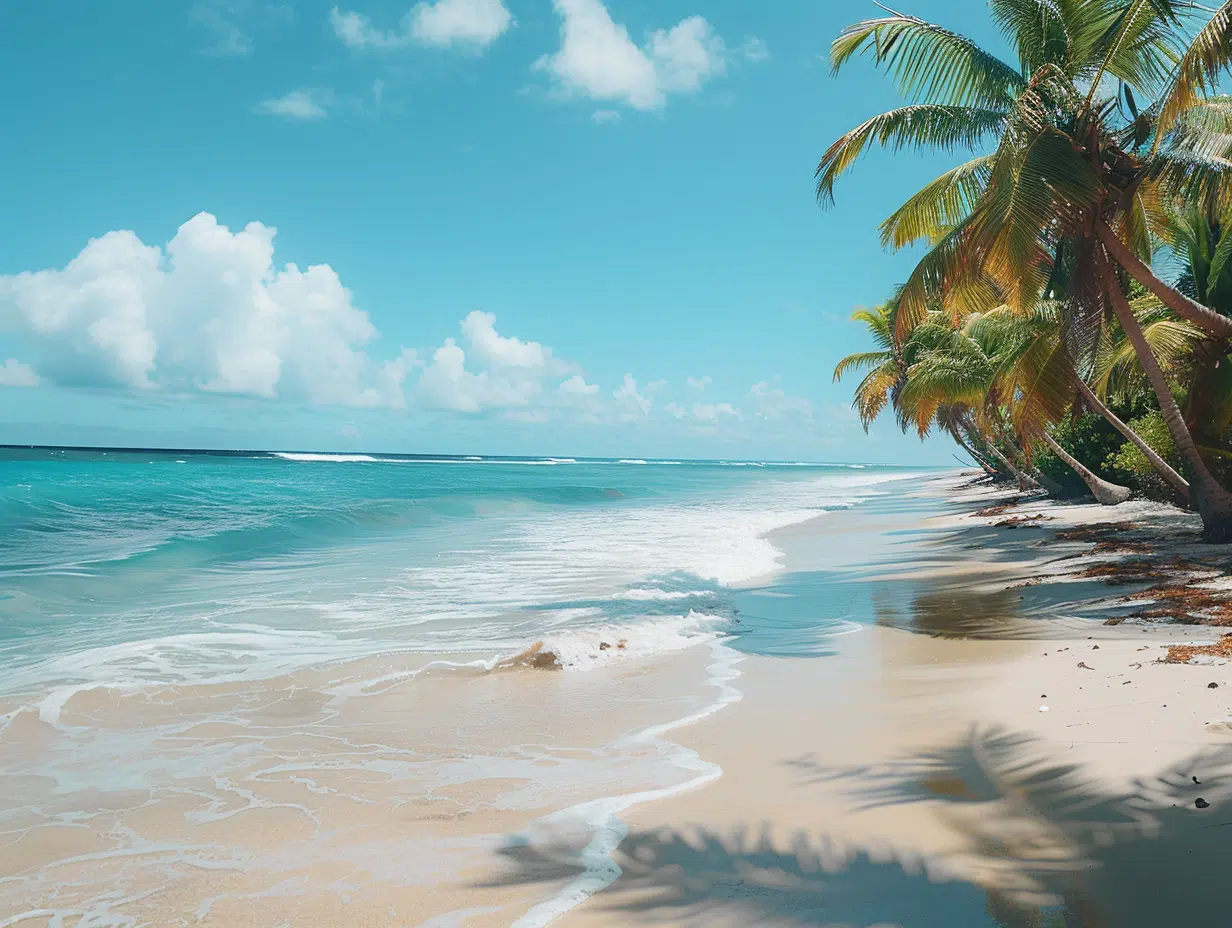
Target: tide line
x: 601, y: 868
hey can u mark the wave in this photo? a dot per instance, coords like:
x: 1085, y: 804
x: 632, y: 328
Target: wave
x: 595, y: 646
x: 336, y: 458
x: 631, y: 461
x: 649, y: 594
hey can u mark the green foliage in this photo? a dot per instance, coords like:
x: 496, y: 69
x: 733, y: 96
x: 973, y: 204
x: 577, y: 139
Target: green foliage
x: 1090, y: 439
x: 1138, y: 471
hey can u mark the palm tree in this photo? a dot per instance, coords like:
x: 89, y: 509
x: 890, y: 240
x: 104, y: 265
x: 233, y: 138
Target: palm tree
x: 883, y: 383
x: 1002, y: 361
x: 1067, y: 168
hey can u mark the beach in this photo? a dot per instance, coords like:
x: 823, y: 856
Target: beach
x: 927, y: 702
x: 1046, y: 770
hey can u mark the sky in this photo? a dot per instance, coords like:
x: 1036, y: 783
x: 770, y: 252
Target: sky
x: 568, y: 227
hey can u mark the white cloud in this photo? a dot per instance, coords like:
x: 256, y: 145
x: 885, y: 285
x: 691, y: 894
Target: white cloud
x: 598, y: 59
x: 577, y: 386
x: 356, y: 31
x: 772, y: 403
x: 754, y: 50
x: 507, y: 372
x: 449, y: 22
x: 675, y: 410
x: 211, y: 312
x: 699, y: 383
x: 15, y: 374
x: 445, y: 23
x: 605, y: 116
x: 628, y: 397
x: 713, y: 412
x: 303, y: 105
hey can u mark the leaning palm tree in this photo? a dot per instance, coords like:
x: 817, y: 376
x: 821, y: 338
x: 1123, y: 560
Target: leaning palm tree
x: 881, y: 387
x: 1008, y: 367
x: 1067, y: 178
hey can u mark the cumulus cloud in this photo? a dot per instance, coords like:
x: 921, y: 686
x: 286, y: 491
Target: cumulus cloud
x: 577, y: 386
x: 504, y: 373
x: 598, y: 59
x: 15, y: 374
x: 211, y: 312
x: 445, y: 23
x: 303, y: 105
x: 630, y: 399
x: 770, y: 402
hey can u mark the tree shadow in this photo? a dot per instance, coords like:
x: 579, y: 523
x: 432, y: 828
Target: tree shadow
x: 698, y: 876
x: 1130, y: 856
x: 1049, y: 845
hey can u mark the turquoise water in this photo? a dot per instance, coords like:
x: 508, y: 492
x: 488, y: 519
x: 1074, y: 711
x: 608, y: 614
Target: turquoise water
x: 132, y: 567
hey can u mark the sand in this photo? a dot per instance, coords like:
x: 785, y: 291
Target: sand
x: 1043, y: 775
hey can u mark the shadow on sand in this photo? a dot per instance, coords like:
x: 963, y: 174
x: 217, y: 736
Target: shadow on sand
x: 1049, y: 846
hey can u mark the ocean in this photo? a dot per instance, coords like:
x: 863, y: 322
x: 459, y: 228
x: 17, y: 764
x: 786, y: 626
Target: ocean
x: 209, y: 660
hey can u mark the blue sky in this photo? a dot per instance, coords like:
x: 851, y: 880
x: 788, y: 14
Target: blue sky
x: 502, y: 226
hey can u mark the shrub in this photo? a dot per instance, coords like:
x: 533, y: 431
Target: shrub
x: 1094, y: 442
x: 1141, y: 474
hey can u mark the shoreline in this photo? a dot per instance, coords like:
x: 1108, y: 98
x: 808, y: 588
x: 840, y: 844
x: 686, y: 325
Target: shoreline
x: 913, y: 750
x: 447, y: 791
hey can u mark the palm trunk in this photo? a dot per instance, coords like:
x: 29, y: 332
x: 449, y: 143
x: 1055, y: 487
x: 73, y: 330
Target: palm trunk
x: 1107, y: 494
x: 1179, y: 483
x: 1024, y: 482
x: 973, y: 454
x: 1179, y: 303
x: 1213, y: 502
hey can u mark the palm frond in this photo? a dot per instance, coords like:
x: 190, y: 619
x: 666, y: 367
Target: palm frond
x: 1139, y: 46
x: 1037, y: 29
x: 939, y: 206
x: 873, y: 392
x: 919, y: 126
x: 929, y: 62
x: 859, y: 361
x: 1028, y: 206
x: 1208, y: 55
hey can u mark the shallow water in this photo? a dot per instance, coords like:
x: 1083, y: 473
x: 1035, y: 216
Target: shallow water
x: 267, y: 686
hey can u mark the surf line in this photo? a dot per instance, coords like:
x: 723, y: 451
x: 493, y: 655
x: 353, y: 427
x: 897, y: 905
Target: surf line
x: 603, y: 814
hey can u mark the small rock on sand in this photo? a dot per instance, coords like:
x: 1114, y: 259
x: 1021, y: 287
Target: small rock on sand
x: 1202, y: 803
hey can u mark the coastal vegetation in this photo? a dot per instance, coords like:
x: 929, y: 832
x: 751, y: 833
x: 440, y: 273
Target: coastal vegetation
x: 1069, y: 320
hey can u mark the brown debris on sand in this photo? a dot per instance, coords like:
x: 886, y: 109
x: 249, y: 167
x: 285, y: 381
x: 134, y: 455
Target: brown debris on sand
x: 536, y: 656
x: 1189, y: 605
x: 1101, y: 531
x: 1016, y: 521
x: 1117, y: 573
x: 989, y: 511
x: 1184, y: 653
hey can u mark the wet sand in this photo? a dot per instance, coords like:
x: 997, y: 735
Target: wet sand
x: 278, y: 802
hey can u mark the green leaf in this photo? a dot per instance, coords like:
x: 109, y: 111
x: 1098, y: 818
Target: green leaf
x: 929, y: 62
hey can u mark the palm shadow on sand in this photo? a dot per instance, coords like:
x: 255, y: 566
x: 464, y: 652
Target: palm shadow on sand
x: 1050, y: 847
